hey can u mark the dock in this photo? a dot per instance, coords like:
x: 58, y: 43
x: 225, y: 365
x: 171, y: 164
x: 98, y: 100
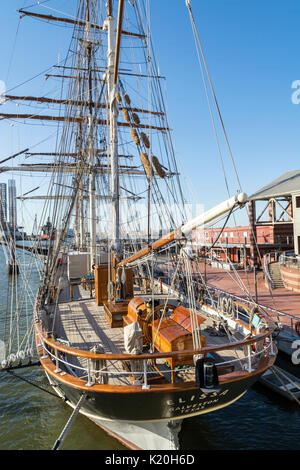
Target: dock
x: 281, y: 304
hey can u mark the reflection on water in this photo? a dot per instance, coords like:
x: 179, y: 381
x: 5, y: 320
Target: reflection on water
x: 260, y: 420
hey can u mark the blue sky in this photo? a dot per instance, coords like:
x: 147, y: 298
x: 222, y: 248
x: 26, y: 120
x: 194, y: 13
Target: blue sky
x: 252, y: 52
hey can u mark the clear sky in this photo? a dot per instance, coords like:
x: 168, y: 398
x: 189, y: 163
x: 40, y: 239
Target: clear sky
x: 252, y: 52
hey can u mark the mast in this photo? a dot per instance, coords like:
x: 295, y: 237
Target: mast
x: 79, y: 233
x: 113, y: 57
x: 91, y: 155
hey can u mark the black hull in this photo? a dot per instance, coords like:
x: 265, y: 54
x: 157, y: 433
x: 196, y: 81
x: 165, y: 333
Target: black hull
x: 156, y: 405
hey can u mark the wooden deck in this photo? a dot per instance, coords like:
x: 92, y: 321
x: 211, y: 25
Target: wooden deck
x: 281, y: 299
x: 83, y: 325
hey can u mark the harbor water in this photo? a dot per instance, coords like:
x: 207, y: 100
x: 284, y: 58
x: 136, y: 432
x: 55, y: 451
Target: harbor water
x: 32, y: 417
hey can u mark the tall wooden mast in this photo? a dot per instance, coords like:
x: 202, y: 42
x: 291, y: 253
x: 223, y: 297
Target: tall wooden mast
x: 112, y: 77
x: 91, y: 155
x: 79, y: 221
x: 113, y: 110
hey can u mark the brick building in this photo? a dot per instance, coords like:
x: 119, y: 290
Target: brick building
x: 274, y: 226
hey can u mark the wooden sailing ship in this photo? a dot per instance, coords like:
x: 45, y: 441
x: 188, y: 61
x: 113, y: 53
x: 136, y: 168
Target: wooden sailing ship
x: 134, y: 353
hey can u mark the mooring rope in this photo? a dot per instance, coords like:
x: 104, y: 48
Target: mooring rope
x: 273, y: 369
x: 33, y: 384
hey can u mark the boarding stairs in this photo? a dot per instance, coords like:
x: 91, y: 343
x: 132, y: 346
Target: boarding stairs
x: 275, y: 274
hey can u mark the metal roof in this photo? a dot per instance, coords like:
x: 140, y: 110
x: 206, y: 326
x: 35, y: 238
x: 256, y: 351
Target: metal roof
x: 285, y: 185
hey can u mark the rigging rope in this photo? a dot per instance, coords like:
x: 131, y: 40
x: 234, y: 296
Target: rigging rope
x: 200, y: 54
x: 212, y: 89
x: 275, y: 372
x: 33, y: 384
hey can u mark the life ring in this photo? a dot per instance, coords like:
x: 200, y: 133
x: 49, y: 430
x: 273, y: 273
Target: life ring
x: 297, y: 328
x: 258, y: 347
x: 253, y: 346
x: 222, y: 304
x: 261, y: 347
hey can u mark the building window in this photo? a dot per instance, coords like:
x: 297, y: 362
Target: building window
x: 298, y: 202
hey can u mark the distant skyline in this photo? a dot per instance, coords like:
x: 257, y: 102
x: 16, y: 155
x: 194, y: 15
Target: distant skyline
x: 3, y: 203
x: 252, y: 55
x: 12, y: 203
x: 8, y: 203
x: 8, y: 209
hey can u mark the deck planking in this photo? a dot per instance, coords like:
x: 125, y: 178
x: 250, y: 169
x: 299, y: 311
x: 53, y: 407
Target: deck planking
x: 82, y: 323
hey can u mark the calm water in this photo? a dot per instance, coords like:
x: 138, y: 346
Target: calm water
x: 31, y: 419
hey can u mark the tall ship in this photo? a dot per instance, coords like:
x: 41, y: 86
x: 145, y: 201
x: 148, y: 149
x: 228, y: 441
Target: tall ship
x: 124, y: 326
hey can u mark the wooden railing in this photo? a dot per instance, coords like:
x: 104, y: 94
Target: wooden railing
x: 52, y: 349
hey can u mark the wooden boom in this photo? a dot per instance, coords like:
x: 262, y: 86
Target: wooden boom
x: 226, y: 206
